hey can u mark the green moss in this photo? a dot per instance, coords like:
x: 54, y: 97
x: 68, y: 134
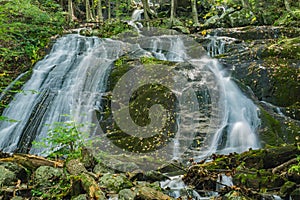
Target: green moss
x: 258, y: 179
x: 112, y: 28
x: 141, y: 102
x: 270, y: 132
x: 25, y: 30
x: 284, y: 48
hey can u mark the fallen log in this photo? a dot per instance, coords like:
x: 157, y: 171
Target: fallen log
x: 284, y: 165
x: 31, y: 162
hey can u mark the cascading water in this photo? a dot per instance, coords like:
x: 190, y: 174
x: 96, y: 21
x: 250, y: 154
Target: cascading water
x: 76, y: 64
x: 72, y: 78
x: 136, y: 16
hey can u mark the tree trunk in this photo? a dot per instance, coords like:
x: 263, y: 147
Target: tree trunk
x: 172, y: 16
x: 194, y: 12
x: 70, y: 11
x: 145, y: 4
x: 148, y: 13
x: 108, y: 9
x: 99, y: 11
x: 88, y: 12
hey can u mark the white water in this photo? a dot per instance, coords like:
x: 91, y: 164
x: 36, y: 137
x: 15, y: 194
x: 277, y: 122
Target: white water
x: 136, y: 16
x: 224, y: 180
x: 75, y: 65
x: 72, y: 78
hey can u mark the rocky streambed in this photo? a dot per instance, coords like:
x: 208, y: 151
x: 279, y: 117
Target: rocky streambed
x: 255, y: 174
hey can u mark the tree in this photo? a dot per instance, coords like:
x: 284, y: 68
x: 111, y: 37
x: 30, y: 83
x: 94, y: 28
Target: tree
x: 88, y: 11
x: 148, y: 13
x: 99, y: 11
x: 194, y: 12
x: 71, y: 16
x: 172, y: 16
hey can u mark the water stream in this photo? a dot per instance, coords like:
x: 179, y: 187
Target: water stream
x: 73, y: 77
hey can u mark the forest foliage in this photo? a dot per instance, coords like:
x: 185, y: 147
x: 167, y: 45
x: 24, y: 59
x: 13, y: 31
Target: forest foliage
x: 26, y: 27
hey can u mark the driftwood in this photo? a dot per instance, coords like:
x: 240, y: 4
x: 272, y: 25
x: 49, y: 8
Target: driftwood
x: 284, y: 165
x: 31, y: 161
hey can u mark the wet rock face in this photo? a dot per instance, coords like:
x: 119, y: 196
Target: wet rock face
x: 264, y: 61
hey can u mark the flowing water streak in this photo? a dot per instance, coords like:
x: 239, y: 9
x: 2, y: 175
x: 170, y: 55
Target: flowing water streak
x: 75, y: 65
x: 72, y: 77
x: 240, y: 120
x: 136, y: 16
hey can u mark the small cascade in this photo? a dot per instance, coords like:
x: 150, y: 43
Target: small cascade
x: 217, y: 44
x: 136, y: 16
x: 177, y: 189
x: 11, y: 85
x: 276, y: 109
x: 222, y: 181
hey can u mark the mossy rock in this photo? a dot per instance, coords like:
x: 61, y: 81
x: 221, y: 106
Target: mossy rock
x: 270, y: 132
x: 275, y: 131
x: 268, y: 158
x: 140, y: 107
x: 7, y: 178
x: 287, y: 189
x: 115, y: 182
x: 46, y: 176
x: 127, y: 194
x: 258, y: 179
x: 284, y: 48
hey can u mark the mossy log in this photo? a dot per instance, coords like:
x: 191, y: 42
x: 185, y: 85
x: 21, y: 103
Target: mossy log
x: 31, y: 162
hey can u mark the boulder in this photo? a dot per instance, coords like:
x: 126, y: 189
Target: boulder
x: 7, y: 177
x: 287, y: 189
x: 115, y: 182
x: 147, y: 193
x: 46, y: 176
x: 127, y: 194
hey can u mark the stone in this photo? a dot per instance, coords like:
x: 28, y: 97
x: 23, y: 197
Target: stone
x: 46, y: 176
x: 75, y: 167
x: 147, y: 193
x: 126, y: 194
x: 287, y: 189
x: 115, y: 182
x: 101, y: 169
x: 7, y: 177
x: 18, y: 170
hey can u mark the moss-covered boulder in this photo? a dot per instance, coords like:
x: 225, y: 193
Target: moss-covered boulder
x: 115, y: 182
x: 287, y: 189
x: 7, y: 177
x: 46, y: 176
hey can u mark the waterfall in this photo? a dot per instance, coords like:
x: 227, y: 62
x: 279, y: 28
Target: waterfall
x: 136, y: 16
x: 67, y: 81
x: 72, y: 79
